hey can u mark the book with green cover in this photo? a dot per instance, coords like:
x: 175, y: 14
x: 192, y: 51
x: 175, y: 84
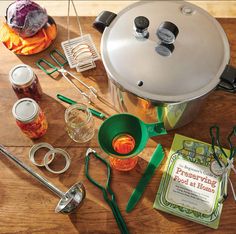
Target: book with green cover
x: 188, y: 188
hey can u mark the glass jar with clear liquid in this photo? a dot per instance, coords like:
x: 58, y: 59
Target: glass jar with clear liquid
x: 79, y: 123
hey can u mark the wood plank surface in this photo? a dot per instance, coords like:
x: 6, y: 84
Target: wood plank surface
x: 28, y: 207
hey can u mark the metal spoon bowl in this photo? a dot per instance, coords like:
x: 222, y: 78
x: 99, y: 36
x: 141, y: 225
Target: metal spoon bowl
x: 72, y: 199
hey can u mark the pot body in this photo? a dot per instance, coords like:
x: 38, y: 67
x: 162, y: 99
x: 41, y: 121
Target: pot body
x: 174, y: 115
x: 162, y: 59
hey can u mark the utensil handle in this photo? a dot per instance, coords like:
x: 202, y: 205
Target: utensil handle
x: 41, y: 67
x: 65, y: 99
x: 156, y: 129
x: 41, y: 179
x: 119, y: 219
x: 103, y: 20
x: 228, y: 79
x: 60, y: 55
x: 72, y: 102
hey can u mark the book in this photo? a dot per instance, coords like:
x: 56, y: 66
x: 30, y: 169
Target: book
x: 188, y: 188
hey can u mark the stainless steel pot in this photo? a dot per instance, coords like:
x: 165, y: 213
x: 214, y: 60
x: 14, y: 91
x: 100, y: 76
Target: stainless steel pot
x: 163, y: 58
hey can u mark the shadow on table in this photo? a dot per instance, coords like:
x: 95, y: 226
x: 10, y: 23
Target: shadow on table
x: 56, y: 134
x: 188, y: 225
x: 93, y: 218
x: 23, y: 175
x: 99, y: 76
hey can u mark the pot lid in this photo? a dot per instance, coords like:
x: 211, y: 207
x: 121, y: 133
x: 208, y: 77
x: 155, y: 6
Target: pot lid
x: 167, y: 51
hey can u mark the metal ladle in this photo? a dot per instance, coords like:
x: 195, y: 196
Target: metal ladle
x: 69, y: 200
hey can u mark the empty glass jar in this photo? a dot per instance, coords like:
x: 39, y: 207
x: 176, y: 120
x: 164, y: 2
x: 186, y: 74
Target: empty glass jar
x: 79, y: 123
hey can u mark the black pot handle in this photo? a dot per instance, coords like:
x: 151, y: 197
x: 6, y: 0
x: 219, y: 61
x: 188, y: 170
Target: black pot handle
x: 228, y: 79
x: 104, y: 20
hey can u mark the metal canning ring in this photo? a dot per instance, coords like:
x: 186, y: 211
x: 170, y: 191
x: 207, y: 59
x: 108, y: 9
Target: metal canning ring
x: 54, y: 152
x: 35, y: 148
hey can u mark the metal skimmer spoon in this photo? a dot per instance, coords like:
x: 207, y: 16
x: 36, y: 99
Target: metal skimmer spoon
x: 69, y: 200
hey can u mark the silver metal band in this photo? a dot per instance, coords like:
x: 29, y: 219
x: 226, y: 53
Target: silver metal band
x: 35, y: 148
x: 55, y: 152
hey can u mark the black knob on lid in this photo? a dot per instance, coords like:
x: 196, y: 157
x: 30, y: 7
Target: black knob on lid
x: 141, y: 23
x: 167, y: 32
x: 165, y: 49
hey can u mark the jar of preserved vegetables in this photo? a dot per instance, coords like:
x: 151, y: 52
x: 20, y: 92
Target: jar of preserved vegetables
x: 25, y: 83
x: 30, y: 118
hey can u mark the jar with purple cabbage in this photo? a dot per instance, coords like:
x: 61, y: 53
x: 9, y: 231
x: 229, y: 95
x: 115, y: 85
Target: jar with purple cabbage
x: 25, y: 83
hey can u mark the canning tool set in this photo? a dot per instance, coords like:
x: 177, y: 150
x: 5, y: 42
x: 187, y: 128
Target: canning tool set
x: 219, y: 168
x: 69, y: 201
x: 158, y: 97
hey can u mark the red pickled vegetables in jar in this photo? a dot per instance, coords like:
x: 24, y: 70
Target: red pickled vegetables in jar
x: 123, y: 144
x: 30, y: 118
x: 126, y: 164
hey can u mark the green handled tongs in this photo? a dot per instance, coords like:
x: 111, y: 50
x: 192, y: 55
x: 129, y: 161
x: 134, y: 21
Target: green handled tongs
x: 215, y: 137
x: 108, y: 194
x: 72, y: 102
x: 155, y: 161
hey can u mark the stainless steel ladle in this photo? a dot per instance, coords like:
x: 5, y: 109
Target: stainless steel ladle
x: 69, y: 200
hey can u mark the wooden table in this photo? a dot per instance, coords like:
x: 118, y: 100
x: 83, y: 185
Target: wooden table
x: 28, y: 207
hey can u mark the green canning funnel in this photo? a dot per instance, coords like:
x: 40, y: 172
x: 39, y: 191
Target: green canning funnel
x: 131, y: 125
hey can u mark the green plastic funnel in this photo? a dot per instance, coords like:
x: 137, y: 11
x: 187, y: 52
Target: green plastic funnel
x: 131, y: 125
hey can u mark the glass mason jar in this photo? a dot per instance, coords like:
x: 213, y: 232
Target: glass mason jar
x: 30, y: 118
x: 79, y: 123
x: 123, y: 164
x: 25, y: 83
x: 123, y: 144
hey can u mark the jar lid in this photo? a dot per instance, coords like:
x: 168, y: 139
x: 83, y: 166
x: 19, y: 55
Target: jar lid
x: 25, y: 110
x: 21, y: 75
x: 181, y: 57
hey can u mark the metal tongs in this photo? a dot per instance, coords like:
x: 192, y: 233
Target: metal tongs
x: 108, y: 194
x: 65, y: 73
x: 215, y: 136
